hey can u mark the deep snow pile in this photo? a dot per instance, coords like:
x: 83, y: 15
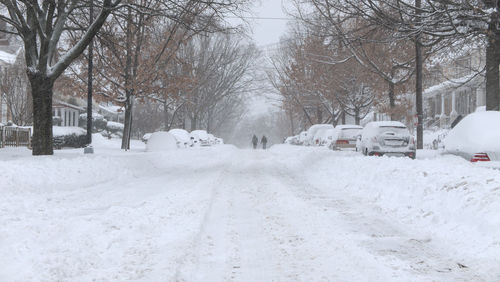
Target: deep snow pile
x: 446, y: 197
x: 218, y: 213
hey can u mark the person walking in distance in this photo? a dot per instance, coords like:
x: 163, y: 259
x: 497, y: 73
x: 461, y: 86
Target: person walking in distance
x: 263, y: 141
x: 255, y: 140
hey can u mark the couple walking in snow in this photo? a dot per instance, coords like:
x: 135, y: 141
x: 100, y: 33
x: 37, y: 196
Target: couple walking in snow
x: 263, y: 141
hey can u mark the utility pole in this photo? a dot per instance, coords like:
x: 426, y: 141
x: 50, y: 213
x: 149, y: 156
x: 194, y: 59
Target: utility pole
x: 89, y: 79
x: 418, y: 78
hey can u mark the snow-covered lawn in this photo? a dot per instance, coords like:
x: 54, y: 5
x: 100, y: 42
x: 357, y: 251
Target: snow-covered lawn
x: 220, y: 213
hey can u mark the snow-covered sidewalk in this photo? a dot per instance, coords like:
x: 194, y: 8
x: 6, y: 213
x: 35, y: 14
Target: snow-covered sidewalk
x: 223, y: 214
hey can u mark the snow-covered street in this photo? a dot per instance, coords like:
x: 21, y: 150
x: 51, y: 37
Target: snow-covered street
x: 225, y: 214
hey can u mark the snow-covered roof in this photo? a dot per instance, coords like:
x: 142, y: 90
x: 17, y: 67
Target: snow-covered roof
x: 61, y: 104
x: 9, y: 57
x: 472, y: 80
x: 388, y: 123
x: 112, y: 109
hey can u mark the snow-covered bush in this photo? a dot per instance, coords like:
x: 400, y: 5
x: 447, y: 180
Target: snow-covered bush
x: 73, y: 137
x: 113, y: 130
x: 161, y: 141
x: 99, y: 123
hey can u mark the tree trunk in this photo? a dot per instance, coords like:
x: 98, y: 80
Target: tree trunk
x: 319, y: 114
x: 492, y: 73
x: 127, y: 126
x: 194, y: 120
x: 357, y: 119
x: 392, y: 100
x: 41, y: 90
x: 343, y: 117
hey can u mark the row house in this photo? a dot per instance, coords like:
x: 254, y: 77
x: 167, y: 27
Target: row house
x: 454, y: 90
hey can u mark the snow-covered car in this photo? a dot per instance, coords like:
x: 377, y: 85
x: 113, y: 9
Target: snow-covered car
x: 302, y: 138
x: 161, y: 141
x: 323, y: 136
x: 345, y: 137
x: 200, y: 138
x: 389, y: 138
x: 146, y: 137
x: 182, y: 136
x: 211, y: 139
x: 219, y: 141
x: 311, y: 132
x: 476, y: 137
x: 292, y: 140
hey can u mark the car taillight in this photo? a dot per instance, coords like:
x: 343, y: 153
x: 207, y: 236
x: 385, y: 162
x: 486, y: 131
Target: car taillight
x: 480, y: 157
x: 342, y: 142
x: 412, y: 140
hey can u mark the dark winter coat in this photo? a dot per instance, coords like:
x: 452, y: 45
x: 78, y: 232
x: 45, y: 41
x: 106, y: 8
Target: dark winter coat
x: 255, y: 140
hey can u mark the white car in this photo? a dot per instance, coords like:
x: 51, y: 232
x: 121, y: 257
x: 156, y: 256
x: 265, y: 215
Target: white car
x: 311, y: 132
x: 345, y: 137
x: 200, y: 138
x: 390, y: 138
x: 182, y: 137
x: 476, y: 138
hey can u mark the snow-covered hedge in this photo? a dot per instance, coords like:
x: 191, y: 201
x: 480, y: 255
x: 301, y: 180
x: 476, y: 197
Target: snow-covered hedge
x: 68, y: 136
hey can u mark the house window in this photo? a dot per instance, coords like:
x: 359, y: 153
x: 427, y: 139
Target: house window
x: 74, y: 119
x: 65, y: 118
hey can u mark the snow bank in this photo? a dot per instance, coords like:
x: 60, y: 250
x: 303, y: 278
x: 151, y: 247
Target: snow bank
x: 476, y: 133
x: 445, y: 197
x: 161, y: 141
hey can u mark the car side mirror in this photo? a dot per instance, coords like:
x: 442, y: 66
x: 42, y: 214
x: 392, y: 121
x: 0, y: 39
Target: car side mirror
x: 359, y: 137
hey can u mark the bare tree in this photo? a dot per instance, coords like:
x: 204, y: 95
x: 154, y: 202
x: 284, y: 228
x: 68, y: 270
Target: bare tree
x: 15, y: 87
x: 42, y: 25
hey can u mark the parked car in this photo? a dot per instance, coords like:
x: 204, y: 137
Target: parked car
x: 476, y: 137
x: 211, y: 139
x: 389, y: 138
x: 345, y: 137
x: 329, y: 136
x: 182, y: 136
x: 200, y: 138
x: 311, y: 132
x: 146, y: 137
x: 302, y: 138
x: 322, y: 136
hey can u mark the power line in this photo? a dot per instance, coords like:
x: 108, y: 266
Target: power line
x: 263, y: 18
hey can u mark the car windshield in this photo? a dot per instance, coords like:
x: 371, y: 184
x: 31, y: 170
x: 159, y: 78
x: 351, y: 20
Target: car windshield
x: 350, y: 132
x: 398, y: 130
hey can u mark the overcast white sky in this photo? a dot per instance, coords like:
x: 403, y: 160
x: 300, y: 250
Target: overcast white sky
x: 267, y: 31
x: 264, y: 33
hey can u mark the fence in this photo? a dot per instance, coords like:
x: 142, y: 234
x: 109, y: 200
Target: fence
x: 11, y: 136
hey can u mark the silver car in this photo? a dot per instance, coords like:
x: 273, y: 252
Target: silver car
x: 386, y: 138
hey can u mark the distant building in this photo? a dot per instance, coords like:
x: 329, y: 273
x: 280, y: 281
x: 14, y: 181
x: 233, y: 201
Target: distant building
x: 10, y: 54
x: 68, y: 113
x: 454, y: 89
